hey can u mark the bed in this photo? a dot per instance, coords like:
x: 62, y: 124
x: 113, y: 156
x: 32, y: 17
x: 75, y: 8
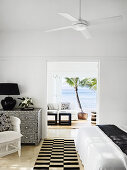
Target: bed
x: 98, y: 152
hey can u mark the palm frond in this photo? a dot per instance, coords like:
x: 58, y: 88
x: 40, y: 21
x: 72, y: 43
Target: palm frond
x: 92, y: 83
x: 87, y: 82
x: 94, y: 87
x: 84, y: 82
x: 70, y: 81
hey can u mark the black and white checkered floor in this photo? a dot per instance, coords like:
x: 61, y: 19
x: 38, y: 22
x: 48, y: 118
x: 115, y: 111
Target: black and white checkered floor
x: 57, y: 154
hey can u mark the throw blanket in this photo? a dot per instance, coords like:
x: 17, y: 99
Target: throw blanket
x: 118, y: 136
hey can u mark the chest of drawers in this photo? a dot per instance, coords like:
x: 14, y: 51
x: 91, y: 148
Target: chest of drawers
x: 31, y: 124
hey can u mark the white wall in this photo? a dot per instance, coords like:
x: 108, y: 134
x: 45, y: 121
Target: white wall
x: 83, y: 69
x: 70, y: 43
x: 113, y: 91
x: 27, y: 72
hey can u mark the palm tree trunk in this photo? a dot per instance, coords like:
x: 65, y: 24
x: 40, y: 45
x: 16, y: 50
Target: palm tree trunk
x: 78, y: 100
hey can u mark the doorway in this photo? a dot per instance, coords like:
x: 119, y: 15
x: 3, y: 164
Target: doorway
x: 58, y: 91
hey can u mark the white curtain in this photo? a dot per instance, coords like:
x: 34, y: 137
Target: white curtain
x: 58, y: 80
x: 54, y: 89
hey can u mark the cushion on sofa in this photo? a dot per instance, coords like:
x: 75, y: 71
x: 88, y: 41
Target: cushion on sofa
x: 65, y: 106
x: 53, y: 106
x: 5, y: 122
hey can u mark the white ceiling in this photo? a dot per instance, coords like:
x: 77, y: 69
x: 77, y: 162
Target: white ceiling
x: 42, y: 14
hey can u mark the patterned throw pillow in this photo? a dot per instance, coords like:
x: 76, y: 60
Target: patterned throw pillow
x: 65, y: 106
x: 5, y: 122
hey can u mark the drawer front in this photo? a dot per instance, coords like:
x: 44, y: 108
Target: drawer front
x: 25, y: 116
x: 29, y: 138
x: 28, y: 117
x: 29, y: 127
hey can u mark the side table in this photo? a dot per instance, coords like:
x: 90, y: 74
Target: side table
x: 64, y: 122
x: 52, y: 122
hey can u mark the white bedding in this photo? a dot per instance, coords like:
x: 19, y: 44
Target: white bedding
x: 98, y: 152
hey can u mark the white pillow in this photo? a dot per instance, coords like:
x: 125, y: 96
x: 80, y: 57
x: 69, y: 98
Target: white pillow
x: 53, y: 106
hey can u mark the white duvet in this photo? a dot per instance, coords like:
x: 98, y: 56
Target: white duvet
x: 98, y: 152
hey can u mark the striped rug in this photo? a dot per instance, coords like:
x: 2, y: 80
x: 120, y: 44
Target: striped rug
x: 57, y: 154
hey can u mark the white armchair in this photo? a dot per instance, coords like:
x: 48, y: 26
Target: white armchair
x: 10, y: 141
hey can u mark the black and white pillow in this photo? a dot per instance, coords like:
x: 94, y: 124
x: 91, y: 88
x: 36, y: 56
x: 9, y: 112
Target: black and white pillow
x: 5, y: 122
x: 65, y: 106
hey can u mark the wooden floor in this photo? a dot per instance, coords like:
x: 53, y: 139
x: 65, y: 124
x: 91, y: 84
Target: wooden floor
x: 74, y: 125
x: 29, y: 153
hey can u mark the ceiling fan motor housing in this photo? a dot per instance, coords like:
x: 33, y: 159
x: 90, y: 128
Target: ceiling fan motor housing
x: 80, y: 25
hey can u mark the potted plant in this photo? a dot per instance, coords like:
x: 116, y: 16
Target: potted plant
x: 25, y: 103
x: 76, y: 82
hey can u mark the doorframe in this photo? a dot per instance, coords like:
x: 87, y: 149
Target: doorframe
x: 66, y: 59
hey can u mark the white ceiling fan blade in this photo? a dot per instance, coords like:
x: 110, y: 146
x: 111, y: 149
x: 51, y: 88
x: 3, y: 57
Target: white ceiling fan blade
x: 68, y: 16
x: 105, y: 20
x: 86, y: 34
x: 58, y: 29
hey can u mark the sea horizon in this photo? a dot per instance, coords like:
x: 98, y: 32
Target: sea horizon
x: 87, y: 97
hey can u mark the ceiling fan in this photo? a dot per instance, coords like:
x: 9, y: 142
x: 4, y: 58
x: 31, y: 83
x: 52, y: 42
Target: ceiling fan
x: 82, y: 25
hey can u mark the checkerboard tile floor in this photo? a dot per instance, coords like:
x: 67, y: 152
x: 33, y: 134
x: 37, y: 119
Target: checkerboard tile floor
x: 57, y: 154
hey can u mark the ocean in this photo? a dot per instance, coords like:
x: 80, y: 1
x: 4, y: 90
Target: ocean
x: 86, y: 95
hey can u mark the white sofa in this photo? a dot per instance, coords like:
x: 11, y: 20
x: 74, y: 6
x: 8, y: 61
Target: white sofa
x: 56, y: 108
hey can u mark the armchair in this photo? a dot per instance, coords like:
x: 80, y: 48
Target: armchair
x: 10, y: 141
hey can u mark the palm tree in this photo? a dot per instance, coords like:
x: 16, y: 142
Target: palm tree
x: 76, y: 82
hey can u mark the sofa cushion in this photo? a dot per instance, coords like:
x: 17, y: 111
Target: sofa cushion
x: 65, y: 106
x: 5, y: 122
x: 53, y: 106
